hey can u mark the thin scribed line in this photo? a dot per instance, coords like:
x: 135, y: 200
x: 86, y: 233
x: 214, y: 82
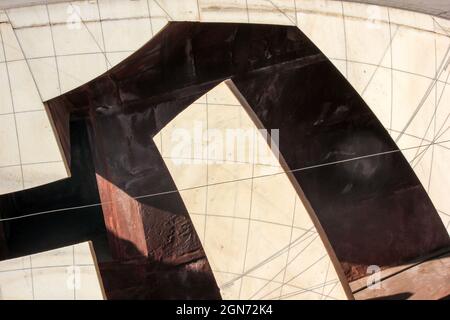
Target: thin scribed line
x: 92, y: 35
x: 285, y: 266
x: 430, y: 88
x: 24, y: 56
x: 283, y: 13
x: 8, y: 75
x: 223, y: 182
x: 249, y: 217
x: 164, y: 10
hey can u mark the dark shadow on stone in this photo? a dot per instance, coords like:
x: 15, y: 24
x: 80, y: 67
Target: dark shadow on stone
x: 54, y: 230
x: 143, y: 279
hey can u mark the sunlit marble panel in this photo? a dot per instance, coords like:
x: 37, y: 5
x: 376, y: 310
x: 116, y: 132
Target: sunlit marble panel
x: 68, y: 273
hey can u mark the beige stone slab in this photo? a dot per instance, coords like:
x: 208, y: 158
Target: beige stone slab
x: 374, y: 84
x: 442, y: 45
x: 422, y: 165
x: 2, y: 52
x: 157, y: 23
x: 267, y: 249
x: 9, y: 150
x: 230, y: 135
x: 73, y: 12
x: 289, y: 292
x: 442, y: 111
x: 411, y: 19
x: 280, y: 12
x: 259, y: 289
x: 441, y: 26
x: 230, y: 199
x: 24, y: 91
x: 362, y: 34
x: 28, y: 16
x: 157, y: 10
x: 408, y: 93
x: 54, y: 258
x: 11, y: 179
x: 45, y: 72
x: 60, y: 278
x: 233, y: 287
x: 221, y: 95
x: 326, y: 31
x: 114, y: 58
x: 36, y: 42
x: 341, y: 65
x: 273, y: 199
x: 407, y: 57
x: 223, y: 11
x: 126, y: 35
x: 3, y: 17
x: 89, y: 286
x: 83, y: 254
x: 225, y: 244
x: 411, y: 146
x: 15, y: 285
x: 375, y: 14
x: 119, y: 9
x: 10, y: 43
x: 36, y: 139
x: 314, y: 273
x: 195, y: 199
x: 184, y: 136
x: 188, y: 175
x: 42, y: 173
x: 198, y: 221
x: 78, y: 69
x: 15, y: 264
x: 301, y: 219
x: 324, y: 6
x: 440, y: 182
x: 68, y: 273
x: 186, y: 10
x: 85, y: 38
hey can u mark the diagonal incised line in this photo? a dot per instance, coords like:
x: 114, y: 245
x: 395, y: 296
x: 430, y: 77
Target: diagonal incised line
x: 434, y: 113
x: 24, y: 56
x: 296, y: 242
x: 65, y: 209
x: 90, y: 33
x: 311, y: 289
x: 422, y: 153
x: 296, y: 276
x: 427, y: 93
x: 380, y: 62
x: 282, y: 269
x: 282, y: 12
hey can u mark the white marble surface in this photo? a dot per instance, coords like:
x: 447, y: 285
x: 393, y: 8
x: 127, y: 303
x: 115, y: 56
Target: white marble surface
x: 68, y: 273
